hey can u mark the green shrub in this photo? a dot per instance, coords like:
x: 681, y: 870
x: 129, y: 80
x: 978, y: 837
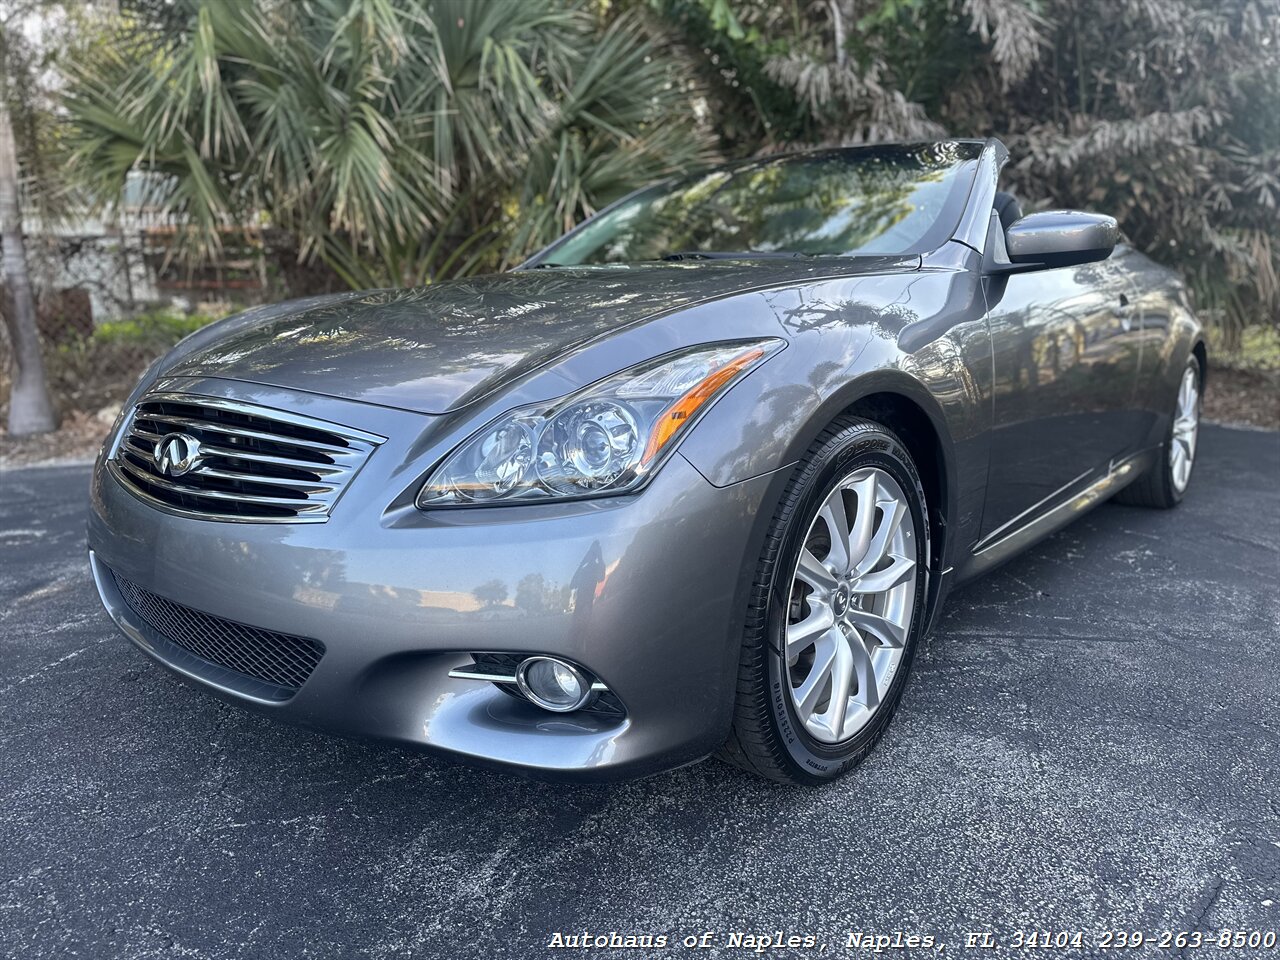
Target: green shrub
x: 158, y: 327
x: 1259, y: 349
x: 98, y: 371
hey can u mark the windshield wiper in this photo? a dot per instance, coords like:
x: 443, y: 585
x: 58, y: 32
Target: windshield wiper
x: 735, y: 255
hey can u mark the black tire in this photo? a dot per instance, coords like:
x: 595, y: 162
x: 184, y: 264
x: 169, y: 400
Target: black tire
x: 766, y: 738
x: 1155, y: 488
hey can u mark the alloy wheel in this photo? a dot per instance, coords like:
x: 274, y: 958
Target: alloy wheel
x: 852, y: 599
x: 1186, y: 428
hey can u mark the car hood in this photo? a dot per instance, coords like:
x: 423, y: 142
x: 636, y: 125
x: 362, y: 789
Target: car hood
x: 438, y: 348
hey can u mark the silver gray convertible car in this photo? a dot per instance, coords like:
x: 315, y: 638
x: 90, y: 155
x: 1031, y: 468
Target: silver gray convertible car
x: 696, y: 478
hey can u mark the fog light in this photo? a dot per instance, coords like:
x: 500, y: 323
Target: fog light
x: 553, y: 684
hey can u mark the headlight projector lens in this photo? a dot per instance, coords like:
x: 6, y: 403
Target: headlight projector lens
x: 553, y: 684
x: 589, y: 445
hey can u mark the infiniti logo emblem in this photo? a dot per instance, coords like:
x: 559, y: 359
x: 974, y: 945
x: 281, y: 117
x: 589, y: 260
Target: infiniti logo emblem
x: 840, y: 600
x: 177, y: 453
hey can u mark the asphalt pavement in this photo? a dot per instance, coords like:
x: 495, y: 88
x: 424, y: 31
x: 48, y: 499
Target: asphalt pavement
x: 1090, y: 742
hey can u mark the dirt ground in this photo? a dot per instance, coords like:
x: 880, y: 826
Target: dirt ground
x: 1243, y: 398
x: 77, y: 439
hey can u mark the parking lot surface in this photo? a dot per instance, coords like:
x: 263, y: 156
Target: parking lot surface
x: 1090, y: 742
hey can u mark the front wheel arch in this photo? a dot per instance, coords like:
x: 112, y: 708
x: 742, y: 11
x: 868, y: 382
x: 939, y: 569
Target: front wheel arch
x: 916, y: 429
x: 905, y: 407
x: 915, y: 417
x: 1201, y: 353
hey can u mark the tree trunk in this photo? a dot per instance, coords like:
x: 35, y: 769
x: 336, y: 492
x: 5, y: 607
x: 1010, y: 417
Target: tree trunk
x: 837, y: 21
x: 30, y: 410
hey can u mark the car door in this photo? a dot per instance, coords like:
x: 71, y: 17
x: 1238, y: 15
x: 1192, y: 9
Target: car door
x: 1151, y: 326
x: 1065, y: 370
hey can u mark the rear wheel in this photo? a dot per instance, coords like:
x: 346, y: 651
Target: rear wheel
x: 1165, y: 482
x: 836, y: 611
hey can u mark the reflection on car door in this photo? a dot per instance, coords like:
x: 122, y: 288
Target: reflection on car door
x: 1066, y: 367
x: 1152, y: 324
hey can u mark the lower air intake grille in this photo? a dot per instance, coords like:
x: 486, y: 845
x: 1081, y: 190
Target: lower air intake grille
x: 278, y: 659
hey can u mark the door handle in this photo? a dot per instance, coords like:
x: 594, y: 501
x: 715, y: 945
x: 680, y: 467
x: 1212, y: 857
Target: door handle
x: 1124, y: 313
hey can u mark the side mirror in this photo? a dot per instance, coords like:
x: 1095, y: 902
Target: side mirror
x: 1060, y: 238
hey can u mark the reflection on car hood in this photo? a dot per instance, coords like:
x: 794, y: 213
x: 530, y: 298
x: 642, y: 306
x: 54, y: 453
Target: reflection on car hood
x: 435, y: 349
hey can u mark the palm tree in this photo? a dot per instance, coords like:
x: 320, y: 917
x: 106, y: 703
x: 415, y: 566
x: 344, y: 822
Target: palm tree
x: 30, y: 409
x: 398, y: 142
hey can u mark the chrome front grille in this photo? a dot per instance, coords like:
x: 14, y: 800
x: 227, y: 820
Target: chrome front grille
x: 249, y: 463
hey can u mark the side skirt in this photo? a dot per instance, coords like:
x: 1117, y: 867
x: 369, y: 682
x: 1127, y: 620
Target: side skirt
x: 1120, y: 474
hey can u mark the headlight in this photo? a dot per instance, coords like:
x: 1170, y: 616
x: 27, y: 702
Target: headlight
x: 604, y: 440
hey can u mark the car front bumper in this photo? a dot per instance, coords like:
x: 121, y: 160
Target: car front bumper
x: 646, y: 592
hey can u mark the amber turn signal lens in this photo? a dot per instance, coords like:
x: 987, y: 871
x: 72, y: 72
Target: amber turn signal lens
x: 669, y: 424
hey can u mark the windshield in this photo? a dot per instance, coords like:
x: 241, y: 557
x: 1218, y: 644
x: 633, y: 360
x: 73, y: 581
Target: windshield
x: 895, y: 199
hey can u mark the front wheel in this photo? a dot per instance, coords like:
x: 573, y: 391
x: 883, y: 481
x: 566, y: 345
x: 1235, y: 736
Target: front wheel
x: 837, y: 609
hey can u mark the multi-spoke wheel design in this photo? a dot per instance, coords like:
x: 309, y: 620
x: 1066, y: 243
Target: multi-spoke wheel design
x: 837, y: 608
x: 1186, y: 427
x: 852, y: 598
